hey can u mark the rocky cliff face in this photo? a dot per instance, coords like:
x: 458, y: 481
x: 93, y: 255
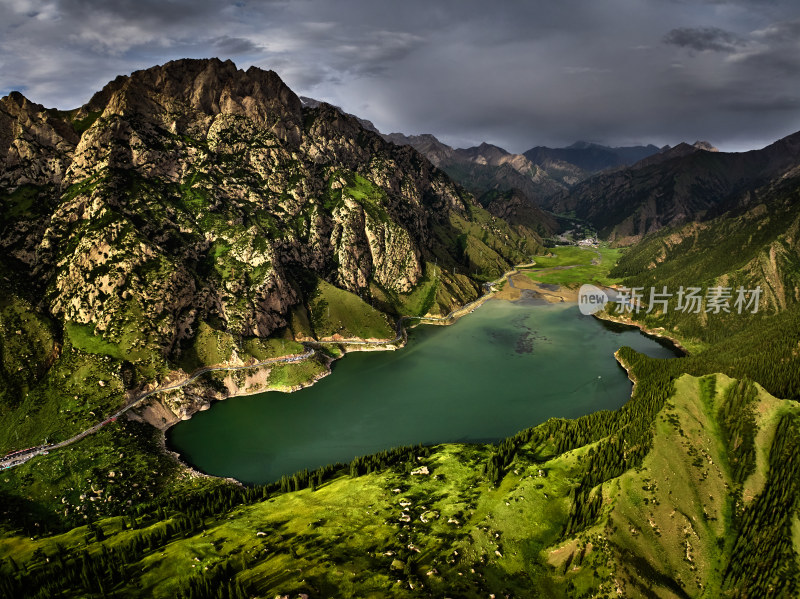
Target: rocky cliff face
x: 196, y: 192
x: 514, y: 207
x: 36, y: 146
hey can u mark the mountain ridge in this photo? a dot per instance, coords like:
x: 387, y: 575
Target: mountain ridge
x: 590, y: 157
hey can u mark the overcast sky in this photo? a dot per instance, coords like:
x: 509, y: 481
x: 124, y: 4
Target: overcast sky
x: 516, y: 74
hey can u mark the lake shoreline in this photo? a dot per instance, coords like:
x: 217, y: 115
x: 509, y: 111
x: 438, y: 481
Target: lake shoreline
x: 503, y: 333
x: 345, y: 345
x: 658, y: 334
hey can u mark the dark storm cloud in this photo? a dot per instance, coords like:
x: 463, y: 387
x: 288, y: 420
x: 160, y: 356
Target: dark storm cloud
x: 235, y: 46
x: 515, y: 73
x: 705, y: 38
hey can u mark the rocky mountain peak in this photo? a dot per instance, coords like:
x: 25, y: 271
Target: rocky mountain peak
x: 314, y: 103
x: 209, y: 87
x: 705, y: 145
x: 487, y: 147
x: 17, y: 106
x: 433, y: 149
x: 488, y: 152
x: 16, y: 99
x: 34, y: 142
x: 677, y: 151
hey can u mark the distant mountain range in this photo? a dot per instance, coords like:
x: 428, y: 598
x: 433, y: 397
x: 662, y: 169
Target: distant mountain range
x: 678, y: 185
x: 484, y: 168
x: 583, y: 158
x: 539, y: 173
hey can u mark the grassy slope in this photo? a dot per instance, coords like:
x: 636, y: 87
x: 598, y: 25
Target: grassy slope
x: 664, y: 530
x: 334, y: 311
x: 757, y: 246
x: 667, y: 527
x: 208, y: 346
x: 27, y: 347
x: 75, y: 393
x: 289, y: 376
x: 673, y: 510
x: 84, y: 337
x: 335, y: 540
x: 419, y: 301
x: 68, y: 486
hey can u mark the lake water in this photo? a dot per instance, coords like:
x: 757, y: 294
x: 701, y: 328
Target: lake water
x: 499, y: 370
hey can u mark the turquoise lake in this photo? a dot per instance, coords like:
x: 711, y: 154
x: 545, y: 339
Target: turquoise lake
x: 505, y: 367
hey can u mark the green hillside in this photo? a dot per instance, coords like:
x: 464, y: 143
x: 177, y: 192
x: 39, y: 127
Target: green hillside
x: 668, y: 497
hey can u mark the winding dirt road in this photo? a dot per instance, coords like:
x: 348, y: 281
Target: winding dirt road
x: 17, y: 458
